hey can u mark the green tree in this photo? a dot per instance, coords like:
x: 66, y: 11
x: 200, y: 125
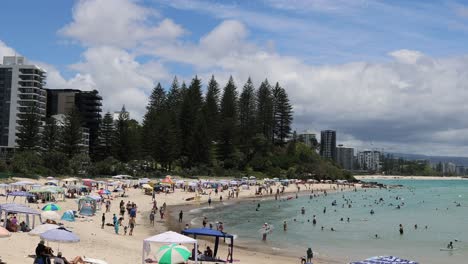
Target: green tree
x: 211, y: 109
x: 28, y: 136
x: 121, y: 137
x: 106, y: 133
x: 50, y: 137
x: 282, y: 115
x: 247, y: 126
x: 72, y: 134
x: 157, y: 104
x: 175, y: 98
x: 264, y: 117
x: 229, y: 124
x: 191, y: 105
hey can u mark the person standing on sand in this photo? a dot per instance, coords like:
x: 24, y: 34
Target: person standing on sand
x: 103, y: 219
x: 209, y: 201
x: 310, y: 255
x: 151, y: 217
x: 116, y: 224
x: 131, y: 223
x: 181, y: 216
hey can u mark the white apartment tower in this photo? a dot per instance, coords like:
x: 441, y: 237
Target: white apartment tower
x: 21, y: 87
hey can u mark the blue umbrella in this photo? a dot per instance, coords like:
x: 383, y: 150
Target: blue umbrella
x: 51, y: 207
x: 385, y: 260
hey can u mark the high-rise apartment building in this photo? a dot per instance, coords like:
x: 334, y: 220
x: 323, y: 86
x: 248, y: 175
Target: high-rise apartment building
x: 88, y: 104
x: 369, y: 160
x: 21, y: 89
x: 308, y: 138
x: 328, y: 144
x: 345, y: 157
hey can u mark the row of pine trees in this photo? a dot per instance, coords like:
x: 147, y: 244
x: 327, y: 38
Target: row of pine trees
x: 184, y: 126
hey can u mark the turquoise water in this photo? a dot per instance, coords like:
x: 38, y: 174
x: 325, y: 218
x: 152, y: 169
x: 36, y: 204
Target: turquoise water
x: 429, y: 202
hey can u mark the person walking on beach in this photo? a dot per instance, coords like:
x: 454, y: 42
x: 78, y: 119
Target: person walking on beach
x: 310, y: 255
x: 103, y: 219
x: 209, y: 201
x: 151, y: 217
x: 181, y: 216
x: 131, y: 224
x: 116, y: 224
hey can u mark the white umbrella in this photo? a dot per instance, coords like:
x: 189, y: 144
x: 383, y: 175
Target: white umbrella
x: 38, y: 230
x: 51, y: 215
x: 60, y: 235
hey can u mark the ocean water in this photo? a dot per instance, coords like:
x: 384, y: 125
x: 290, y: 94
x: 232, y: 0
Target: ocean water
x: 431, y: 203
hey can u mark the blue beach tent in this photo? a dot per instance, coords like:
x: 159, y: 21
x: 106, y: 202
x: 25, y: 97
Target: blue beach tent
x: 212, y: 233
x: 68, y: 216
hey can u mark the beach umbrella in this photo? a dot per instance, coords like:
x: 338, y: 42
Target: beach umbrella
x: 118, y: 190
x: 51, y: 215
x: 60, y: 235
x: 4, y: 185
x: 173, y: 253
x: 385, y: 260
x: 4, y: 232
x: 104, y: 192
x: 42, y: 229
x: 51, y: 207
x: 68, y: 216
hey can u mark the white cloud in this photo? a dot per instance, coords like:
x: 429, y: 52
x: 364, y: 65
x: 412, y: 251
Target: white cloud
x: 5, y: 50
x: 120, y: 79
x: 120, y: 23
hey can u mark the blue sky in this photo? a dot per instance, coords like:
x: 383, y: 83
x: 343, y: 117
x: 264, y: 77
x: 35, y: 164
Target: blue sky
x: 386, y: 73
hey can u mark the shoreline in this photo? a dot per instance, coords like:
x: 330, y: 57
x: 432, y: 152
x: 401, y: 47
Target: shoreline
x: 401, y: 177
x: 258, y: 246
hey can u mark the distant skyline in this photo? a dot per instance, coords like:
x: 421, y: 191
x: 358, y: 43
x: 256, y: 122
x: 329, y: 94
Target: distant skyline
x: 383, y: 74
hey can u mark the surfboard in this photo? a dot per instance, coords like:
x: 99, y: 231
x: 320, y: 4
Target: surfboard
x: 448, y: 249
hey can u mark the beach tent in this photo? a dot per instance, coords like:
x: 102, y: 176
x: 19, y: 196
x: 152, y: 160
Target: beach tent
x: 385, y: 260
x: 167, y: 180
x: 168, y: 237
x: 21, y: 194
x: 87, y: 206
x: 68, y: 216
x: 14, y: 208
x: 211, y: 233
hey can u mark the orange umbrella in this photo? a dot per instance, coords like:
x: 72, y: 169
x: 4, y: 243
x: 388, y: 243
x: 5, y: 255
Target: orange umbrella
x: 167, y: 180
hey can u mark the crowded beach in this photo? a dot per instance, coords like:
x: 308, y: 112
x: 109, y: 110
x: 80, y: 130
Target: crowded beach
x: 73, y: 220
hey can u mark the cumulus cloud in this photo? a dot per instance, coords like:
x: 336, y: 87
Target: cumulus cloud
x: 120, y: 23
x: 120, y: 79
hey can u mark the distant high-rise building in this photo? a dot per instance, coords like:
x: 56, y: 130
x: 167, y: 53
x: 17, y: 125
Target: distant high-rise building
x: 328, y: 144
x: 21, y: 88
x: 369, y: 160
x: 88, y: 104
x: 308, y: 138
x: 345, y: 157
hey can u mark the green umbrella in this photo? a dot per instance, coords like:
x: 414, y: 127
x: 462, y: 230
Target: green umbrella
x: 171, y: 254
x: 51, y: 207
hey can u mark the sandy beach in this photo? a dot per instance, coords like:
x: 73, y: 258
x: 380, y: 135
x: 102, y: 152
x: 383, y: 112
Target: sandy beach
x: 106, y: 245
x: 400, y: 177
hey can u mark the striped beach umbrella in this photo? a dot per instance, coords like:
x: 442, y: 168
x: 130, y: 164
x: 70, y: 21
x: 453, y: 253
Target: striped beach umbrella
x: 172, y: 254
x: 51, y: 207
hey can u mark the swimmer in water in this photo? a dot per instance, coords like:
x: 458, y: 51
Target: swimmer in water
x: 416, y: 226
x: 302, y: 210
x: 450, y: 245
x: 401, y: 229
x: 372, y: 211
x: 285, y: 226
x: 376, y: 236
x: 314, y: 221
